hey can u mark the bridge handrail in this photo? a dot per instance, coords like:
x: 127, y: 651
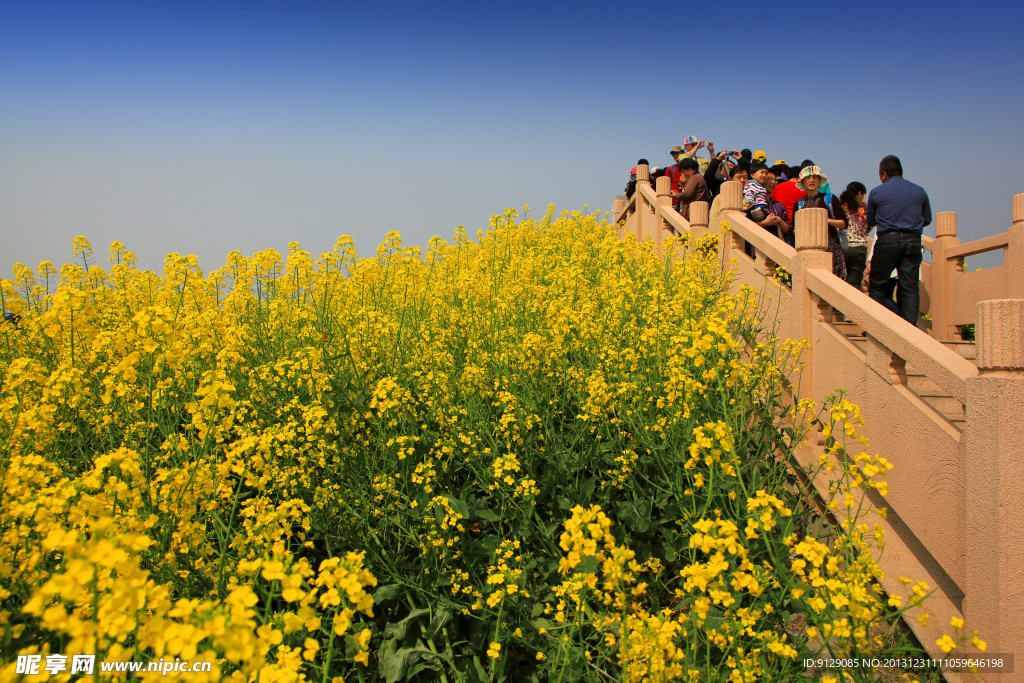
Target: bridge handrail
x: 954, y: 499
x: 763, y: 241
x: 942, y: 365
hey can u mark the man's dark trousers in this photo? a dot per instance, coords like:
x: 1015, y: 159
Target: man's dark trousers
x: 899, y: 249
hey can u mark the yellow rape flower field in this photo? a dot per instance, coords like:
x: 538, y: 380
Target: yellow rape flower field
x: 546, y: 454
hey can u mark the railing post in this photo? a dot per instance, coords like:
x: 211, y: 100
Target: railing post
x: 618, y: 204
x: 994, y: 484
x: 699, y: 212
x: 731, y: 200
x: 1014, y: 259
x: 811, y: 253
x: 643, y: 177
x: 944, y: 274
x: 663, y: 187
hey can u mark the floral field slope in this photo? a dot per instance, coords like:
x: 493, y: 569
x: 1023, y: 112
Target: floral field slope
x: 548, y: 454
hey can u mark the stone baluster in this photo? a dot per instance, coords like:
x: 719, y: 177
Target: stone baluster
x: 945, y: 273
x: 663, y: 188
x: 811, y: 253
x: 731, y: 200
x: 994, y: 482
x: 699, y: 212
x: 1014, y: 258
x: 883, y: 361
x: 643, y: 177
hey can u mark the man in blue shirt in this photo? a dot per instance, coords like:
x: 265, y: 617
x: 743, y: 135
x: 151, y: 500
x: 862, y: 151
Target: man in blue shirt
x: 899, y: 210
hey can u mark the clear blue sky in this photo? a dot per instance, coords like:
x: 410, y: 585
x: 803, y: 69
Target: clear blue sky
x: 202, y: 127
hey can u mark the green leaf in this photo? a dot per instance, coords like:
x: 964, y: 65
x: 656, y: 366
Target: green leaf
x: 441, y: 618
x: 398, y: 630
x: 488, y: 515
x: 400, y: 664
x: 392, y: 666
x: 386, y: 593
x: 587, y: 491
x: 636, y: 514
x: 469, y: 672
x: 479, y: 668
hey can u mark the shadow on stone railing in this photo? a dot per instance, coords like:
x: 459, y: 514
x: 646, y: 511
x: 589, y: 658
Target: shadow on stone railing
x: 953, y: 428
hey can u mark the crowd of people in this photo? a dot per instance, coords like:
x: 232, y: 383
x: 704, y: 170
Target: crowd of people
x: 897, y: 210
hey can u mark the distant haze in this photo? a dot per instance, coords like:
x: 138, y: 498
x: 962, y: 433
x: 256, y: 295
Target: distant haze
x: 200, y: 128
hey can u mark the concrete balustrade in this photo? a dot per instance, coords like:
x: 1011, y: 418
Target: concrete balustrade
x: 618, y: 206
x: 956, y: 497
x: 949, y: 294
x: 1014, y: 255
x: 699, y: 216
x: 994, y: 491
x: 643, y: 174
x: 731, y: 200
x: 664, y: 192
x: 943, y: 273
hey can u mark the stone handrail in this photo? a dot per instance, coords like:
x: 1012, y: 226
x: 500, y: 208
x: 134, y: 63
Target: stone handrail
x: 912, y: 345
x: 955, y: 516
x: 949, y: 294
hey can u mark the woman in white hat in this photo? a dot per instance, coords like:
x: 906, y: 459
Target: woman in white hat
x: 811, y: 180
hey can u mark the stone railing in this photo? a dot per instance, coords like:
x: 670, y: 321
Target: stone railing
x: 956, y: 493
x: 949, y: 294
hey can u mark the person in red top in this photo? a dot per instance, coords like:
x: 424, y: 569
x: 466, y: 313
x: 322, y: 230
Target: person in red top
x: 787, y: 193
x: 673, y: 173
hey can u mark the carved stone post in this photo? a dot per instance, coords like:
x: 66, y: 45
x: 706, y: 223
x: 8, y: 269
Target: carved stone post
x: 731, y: 200
x: 944, y: 275
x: 994, y: 483
x: 699, y: 212
x: 664, y: 192
x: 643, y: 178
x: 811, y: 253
x: 1015, y: 252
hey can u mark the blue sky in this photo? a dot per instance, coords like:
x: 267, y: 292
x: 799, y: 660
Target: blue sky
x: 202, y: 127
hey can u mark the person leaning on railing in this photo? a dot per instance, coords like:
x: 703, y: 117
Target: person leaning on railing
x: 900, y: 211
x: 787, y: 192
x: 811, y: 179
x: 693, y: 189
x: 777, y: 209
x: 672, y: 171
